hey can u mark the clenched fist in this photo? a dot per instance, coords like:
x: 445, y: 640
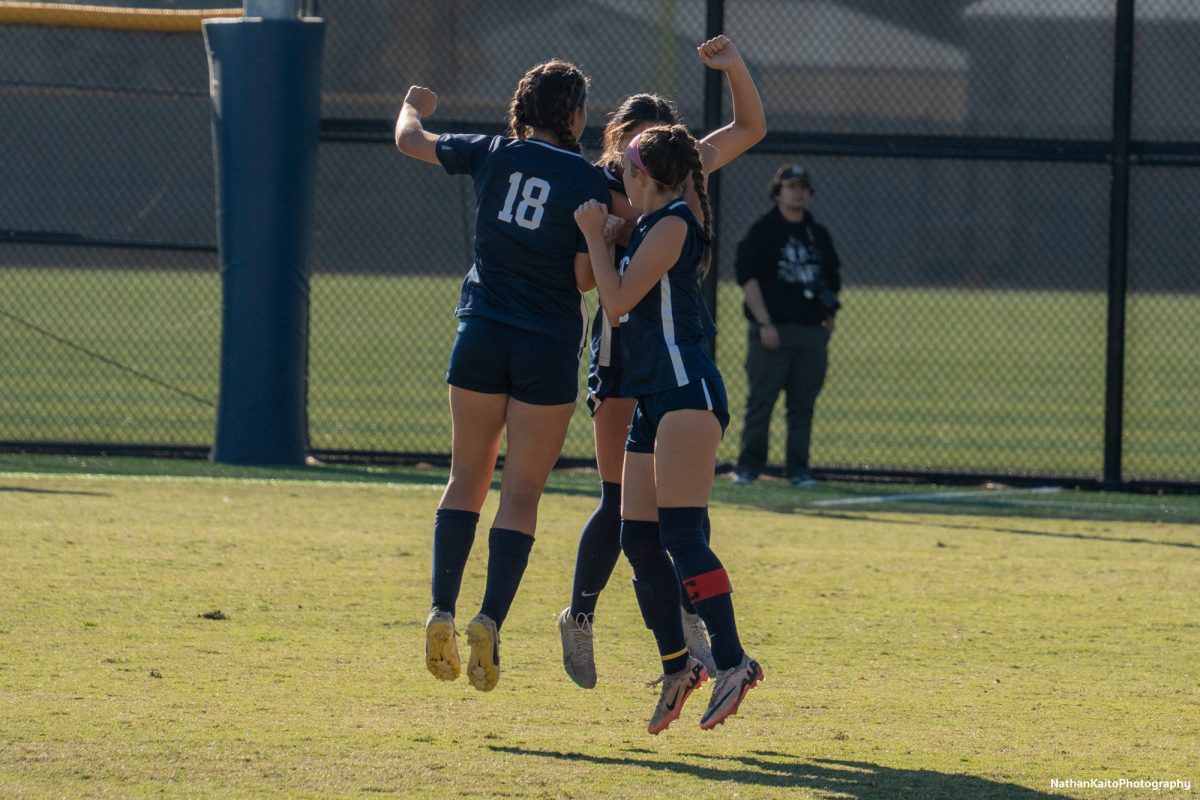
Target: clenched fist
x: 591, y: 217
x: 423, y: 100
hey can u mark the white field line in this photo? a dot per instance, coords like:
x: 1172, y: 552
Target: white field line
x: 1001, y: 495
x: 947, y: 497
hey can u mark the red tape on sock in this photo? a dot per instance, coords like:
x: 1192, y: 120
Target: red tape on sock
x: 710, y: 584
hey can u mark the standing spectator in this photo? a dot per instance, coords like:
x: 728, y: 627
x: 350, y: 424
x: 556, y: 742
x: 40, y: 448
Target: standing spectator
x: 789, y: 272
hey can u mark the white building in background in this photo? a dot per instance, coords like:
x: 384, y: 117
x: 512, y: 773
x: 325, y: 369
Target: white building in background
x: 1024, y: 68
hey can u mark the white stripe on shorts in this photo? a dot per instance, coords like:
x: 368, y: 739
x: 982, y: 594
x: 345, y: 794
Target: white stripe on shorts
x: 583, y: 313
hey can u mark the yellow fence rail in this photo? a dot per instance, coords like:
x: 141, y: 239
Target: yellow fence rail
x: 59, y: 15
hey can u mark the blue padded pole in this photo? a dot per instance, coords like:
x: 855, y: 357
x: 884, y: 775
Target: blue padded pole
x: 266, y: 91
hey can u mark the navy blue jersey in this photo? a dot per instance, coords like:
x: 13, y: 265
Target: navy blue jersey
x: 615, y: 183
x: 526, y: 239
x: 606, y: 343
x: 664, y: 338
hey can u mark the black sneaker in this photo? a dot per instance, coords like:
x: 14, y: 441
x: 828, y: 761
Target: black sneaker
x: 803, y: 480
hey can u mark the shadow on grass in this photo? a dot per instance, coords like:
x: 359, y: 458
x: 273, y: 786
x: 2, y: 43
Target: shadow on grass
x: 991, y: 501
x: 27, y: 490
x: 1015, y: 531
x: 771, y: 495
x: 825, y: 777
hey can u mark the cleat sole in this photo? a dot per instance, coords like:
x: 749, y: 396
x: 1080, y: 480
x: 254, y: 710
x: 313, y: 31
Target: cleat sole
x: 482, y: 670
x: 441, y: 651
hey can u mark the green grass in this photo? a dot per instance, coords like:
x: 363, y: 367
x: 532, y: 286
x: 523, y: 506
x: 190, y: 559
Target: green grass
x: 920, y: 379
x: 947, y: 651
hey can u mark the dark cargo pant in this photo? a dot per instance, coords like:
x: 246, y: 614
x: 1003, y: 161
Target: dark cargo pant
x: 798, y: 369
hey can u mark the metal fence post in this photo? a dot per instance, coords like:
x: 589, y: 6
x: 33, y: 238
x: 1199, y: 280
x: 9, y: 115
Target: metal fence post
x: 714, y: 89
x: 1118, y: 242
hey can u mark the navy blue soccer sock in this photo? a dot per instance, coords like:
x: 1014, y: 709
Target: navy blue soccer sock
x: 453, y: 535
x: 656, y: 587
x: 599, y: 551
x: 704, y: 580
x: 717, y: 613
x: 508, y: 554
x: 686, y: 601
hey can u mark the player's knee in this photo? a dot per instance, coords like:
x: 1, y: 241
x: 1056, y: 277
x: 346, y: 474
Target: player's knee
x: 681, y: 542
x: 640, y: 543
x: 520, y: 498
x: 610, y: 500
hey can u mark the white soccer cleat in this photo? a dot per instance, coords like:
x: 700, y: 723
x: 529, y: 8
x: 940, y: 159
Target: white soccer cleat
x: 731, y: 688
x: 579, y: 658
x: 677, y: 687
x: 696, y: 636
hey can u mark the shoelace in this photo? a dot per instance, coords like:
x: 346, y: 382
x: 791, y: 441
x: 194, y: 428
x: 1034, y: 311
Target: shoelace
x: 719, y: 684
x: 583, y: 634
x: 663, y: 677
x: 718, y: 688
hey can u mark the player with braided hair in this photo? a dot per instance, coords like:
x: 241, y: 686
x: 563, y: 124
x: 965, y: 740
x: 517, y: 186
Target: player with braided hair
x: 611, y: 407
x: 545, y: 99
x: 681, y: 415
x: 514, y: 365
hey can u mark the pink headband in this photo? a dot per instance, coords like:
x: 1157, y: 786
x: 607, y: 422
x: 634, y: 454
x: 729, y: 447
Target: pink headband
x: 635, y: 155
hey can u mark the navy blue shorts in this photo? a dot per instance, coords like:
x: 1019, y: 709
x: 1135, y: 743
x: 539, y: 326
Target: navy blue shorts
x: 494, y: 358
x: 704, y: 394
x: 602, y: 383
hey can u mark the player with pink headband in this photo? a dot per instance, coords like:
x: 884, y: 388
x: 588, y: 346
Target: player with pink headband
x: 612, y: 408
x: 681, y: 415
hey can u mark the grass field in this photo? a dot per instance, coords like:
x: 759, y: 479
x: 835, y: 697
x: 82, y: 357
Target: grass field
x: 918, y: 642
x: 921, y: 379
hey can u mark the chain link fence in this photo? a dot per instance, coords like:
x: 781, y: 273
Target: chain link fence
x: 968, y: 158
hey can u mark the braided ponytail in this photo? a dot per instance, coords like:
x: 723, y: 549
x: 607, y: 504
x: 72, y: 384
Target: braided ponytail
x: 545, y: 98
x: 560, y: 122
x: 517, y: 123
x: 697, y: 169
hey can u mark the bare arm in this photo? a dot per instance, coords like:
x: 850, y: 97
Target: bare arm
x: 658, y: 252
x: 591, y: 218
x: 622, y: 208
x: 412, y: 139
x: 584, y: 278
x: 749, y: 123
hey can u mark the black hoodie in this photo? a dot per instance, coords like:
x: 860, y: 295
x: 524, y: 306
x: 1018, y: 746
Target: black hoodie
x: 796, y: 266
